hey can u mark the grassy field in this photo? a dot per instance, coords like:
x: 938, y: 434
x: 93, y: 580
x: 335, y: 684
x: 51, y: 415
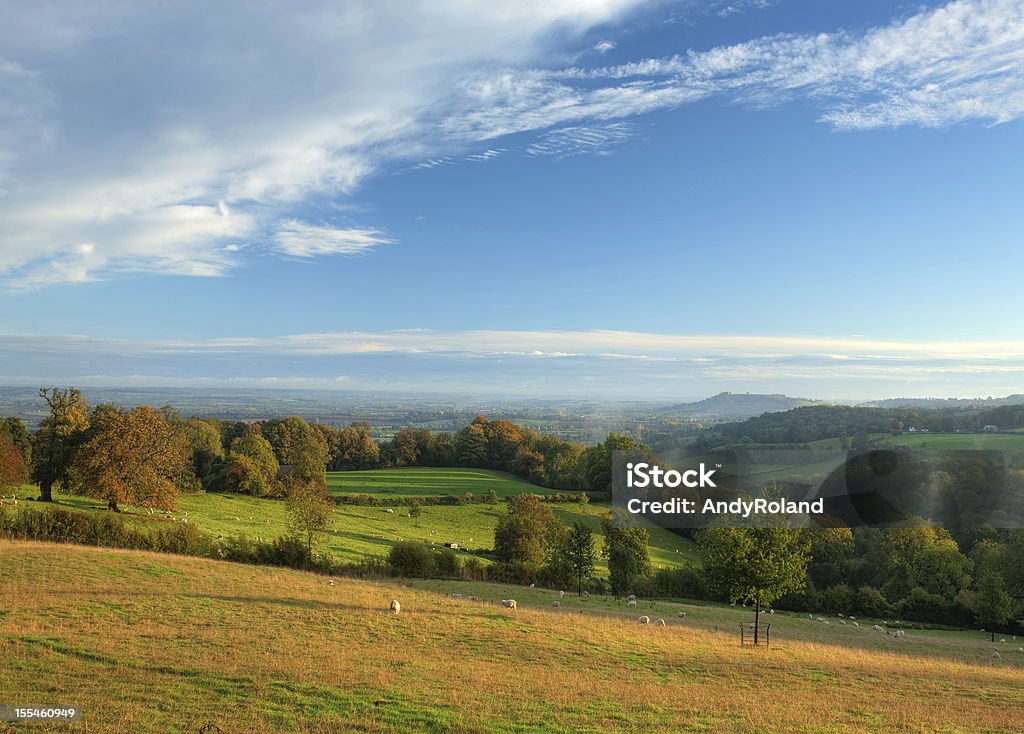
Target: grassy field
x: 361, y: 531
x: 1011, y: 443
x: 156, y: 643
x: 423, y: 481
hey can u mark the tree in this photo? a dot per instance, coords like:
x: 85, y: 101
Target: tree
x: 356, y: 448
x: 992, y: 603
x: 756, y: 565
x: 131, y: 457
x: 521, y: 535
x: 415, y: 508
x: 12, y: 467
x: 579, y: 547
x: 411, y: 558
x: 629, y: 560
x: 251, y: 465
x: 58, y: 437
x: 17, y: 433
x: 311, y: 510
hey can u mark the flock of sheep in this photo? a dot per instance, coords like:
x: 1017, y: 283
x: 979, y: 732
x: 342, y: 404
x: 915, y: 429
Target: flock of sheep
x: 631, y: 601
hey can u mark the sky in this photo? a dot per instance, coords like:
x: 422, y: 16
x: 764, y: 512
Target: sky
x: 540, y: 198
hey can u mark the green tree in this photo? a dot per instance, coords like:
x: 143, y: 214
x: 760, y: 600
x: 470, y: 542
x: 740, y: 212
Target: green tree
x: 415, y: 508
x: 992, y: 603
x: 581, y: 554
x: 310, y: 510
x: 521, y: 535
x: 60, y: 434
x: 252, y: 465
x: 411, y: 558
x: 629, y: 560
x: 756, y: 565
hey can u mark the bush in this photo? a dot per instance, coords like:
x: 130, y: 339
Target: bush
x: 869, y: 602
x: 685, y: 582
x: 448, y: 564
x: 837, y: 599
x: 411, y: 558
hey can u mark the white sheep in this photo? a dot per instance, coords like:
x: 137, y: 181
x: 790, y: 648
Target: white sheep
x: 631, y: 603
x: 877, y: 628
x: 561, y: 594
x: 659, y: 622
x: 389, y: 511
x: 395, y: 606
x: 586, y: 594
x: 842, y: 622
x: 1020, y: 649
x: 631, y: 597
x: 531, y: 586
x: 556, y: 604
x: 1002, y: 639
x: 851, y: 617
x: 456, y: 596
x: 771, y: 611
x: 855, y: 624
x: 644, y: 619
x: 682, y: 615
x: 509, y: 603
x: 996, y: 656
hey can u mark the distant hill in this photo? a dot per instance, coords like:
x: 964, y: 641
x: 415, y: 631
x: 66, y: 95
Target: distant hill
x: 940, y: 403
x: 738, y: 405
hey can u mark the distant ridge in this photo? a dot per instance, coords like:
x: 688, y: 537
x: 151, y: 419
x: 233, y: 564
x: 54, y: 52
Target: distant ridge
x: 738, y: 405
x: 937, y: 403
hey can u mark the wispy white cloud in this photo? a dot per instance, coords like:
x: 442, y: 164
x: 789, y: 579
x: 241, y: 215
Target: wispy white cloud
x: 603, y: 47
x: 596, y: 363
x: 962, y: 61
x: 215, y: 131
x: 298, y: 239
x: 580, y: 140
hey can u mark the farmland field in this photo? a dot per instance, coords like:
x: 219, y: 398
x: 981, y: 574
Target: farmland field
x: 424, y: 481
x: 149, y: 642
x: 359, y: 532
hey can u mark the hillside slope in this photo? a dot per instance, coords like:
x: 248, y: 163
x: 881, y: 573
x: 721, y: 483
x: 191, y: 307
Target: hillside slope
x: 155, y: 643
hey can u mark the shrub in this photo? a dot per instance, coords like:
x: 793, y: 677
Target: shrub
x: 411, y: 558
x: 448, y: 564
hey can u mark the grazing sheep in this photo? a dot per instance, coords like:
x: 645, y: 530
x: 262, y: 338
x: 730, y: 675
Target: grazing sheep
x: 855, y: 624
x: 996, y: 656
x: 631, y: 597
x: 556, y: 604
x: 841, y: 616
x: 456, y: 596
x: 509, y: 603
x: 1020, y: 649
x: 389, y: 511
x: 331, y: 582
x: 631, y: 603
x: 877, y: 628
x: 586, y: 594
x: 643, y: 619
x: 682, y: 615
x: 531, y: 586
x: 842, y: 622
x: 851, y: 617
x: 1002, y: 639
x: 561, y: 594
x: 771, y: 611
x: 821, y: 619
x: 659, y: 622
x: 395, y: 606
x: 899, y: 633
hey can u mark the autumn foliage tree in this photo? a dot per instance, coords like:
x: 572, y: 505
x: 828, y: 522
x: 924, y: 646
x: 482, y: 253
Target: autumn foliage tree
x: 12, y: 468
x: 310, y: 510
x: 134, y: 457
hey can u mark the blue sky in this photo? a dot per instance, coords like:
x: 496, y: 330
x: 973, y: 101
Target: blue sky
x: 637, y: 200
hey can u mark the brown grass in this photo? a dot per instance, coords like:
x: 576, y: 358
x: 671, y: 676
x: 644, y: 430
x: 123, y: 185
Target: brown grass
x: 146, y: 642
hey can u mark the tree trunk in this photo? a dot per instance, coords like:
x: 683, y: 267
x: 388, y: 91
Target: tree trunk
x: 46, y: 491
x: 993, y: 635
x: 757, y: 620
